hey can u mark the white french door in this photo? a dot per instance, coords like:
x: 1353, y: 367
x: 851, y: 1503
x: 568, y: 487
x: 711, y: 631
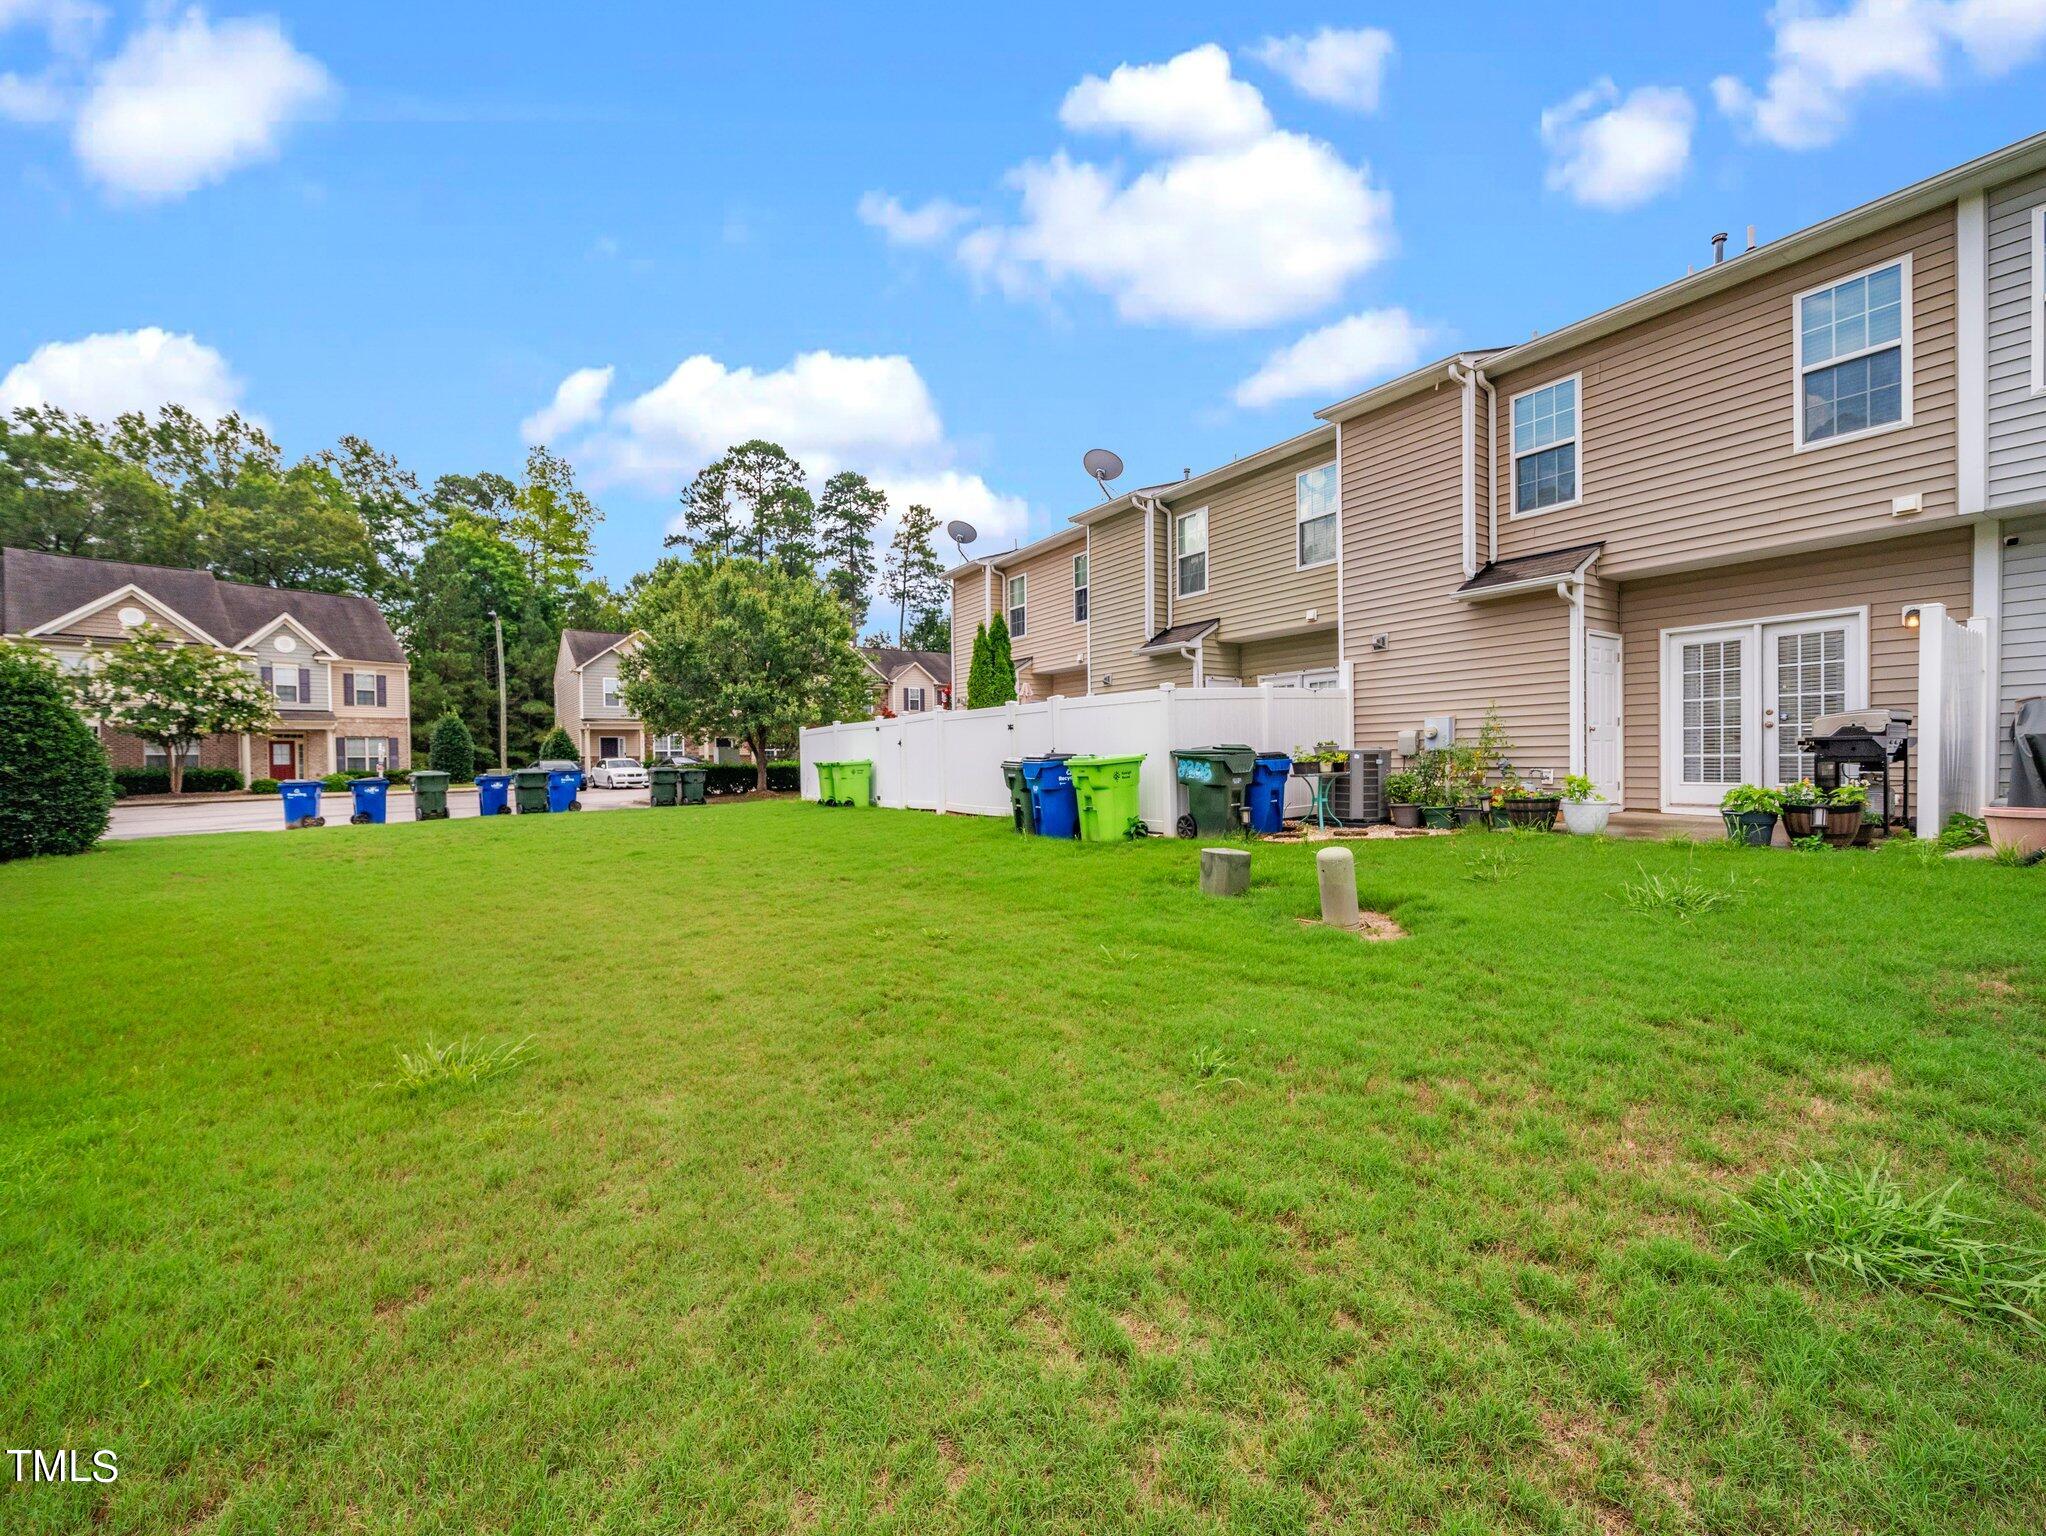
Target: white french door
x: 1737, y: 698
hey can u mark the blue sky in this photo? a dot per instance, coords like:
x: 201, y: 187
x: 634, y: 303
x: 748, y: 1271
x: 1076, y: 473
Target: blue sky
x: 418, y: 222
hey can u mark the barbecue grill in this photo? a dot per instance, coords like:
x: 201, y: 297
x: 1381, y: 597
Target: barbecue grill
x: 1868, y: 741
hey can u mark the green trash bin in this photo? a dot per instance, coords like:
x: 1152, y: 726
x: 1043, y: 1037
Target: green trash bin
x: 529, y: 790
x: 855, y: 783
x: 1020, y: 810
x: 1106, y: 788
x: 1214, y: 779
x: 693, y: 782
x: 429, y: 795
x: 827, y: 775
x: 665, y: 781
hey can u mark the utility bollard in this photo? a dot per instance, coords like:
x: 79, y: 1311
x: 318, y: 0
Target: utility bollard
x: 1335, y: 869
x: 1225, y: 871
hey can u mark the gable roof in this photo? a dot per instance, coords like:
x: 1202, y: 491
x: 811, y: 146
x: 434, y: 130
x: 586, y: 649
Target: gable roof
x: 586, y: 645
x: 36, y: 588
x: 891, y: 659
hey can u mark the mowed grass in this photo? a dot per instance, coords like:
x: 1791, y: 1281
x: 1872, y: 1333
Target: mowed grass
x: 869, y: 1171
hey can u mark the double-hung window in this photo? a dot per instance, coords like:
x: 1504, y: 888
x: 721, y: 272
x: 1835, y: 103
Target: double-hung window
x: 1190, y: 551
x: 154, y: 756
x: 1079, y: 589
x: 1854, y: 355
x: 366, y: 754
x: 363, y: 685
x: 1314, y: 516
x: 614, y: 696
x: 1545, y: 447
x: 912, y: 700
x: 1019, y: 604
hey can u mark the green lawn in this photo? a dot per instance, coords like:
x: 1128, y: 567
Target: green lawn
x: 873, y: 1171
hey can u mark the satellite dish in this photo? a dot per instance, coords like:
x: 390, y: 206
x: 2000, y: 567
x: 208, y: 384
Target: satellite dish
x: 1103, y: 466
x: 961, y: 532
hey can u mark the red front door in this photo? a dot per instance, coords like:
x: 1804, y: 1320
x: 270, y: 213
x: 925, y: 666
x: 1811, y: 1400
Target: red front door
x: 283, y: 760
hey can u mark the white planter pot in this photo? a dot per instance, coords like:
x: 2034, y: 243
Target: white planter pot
x: 1586, y: 818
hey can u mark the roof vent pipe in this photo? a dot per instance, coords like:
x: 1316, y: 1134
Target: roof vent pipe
x: 1719, y: 248
x: 1751, y: 237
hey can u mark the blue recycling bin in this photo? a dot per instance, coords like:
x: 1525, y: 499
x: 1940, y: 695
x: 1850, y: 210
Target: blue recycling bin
x: 493, y: 794
x: 301, y: 799
x: 1054, y: 805
x: 562, y: 784
x: 371, y: 801
x: 1267, y: 794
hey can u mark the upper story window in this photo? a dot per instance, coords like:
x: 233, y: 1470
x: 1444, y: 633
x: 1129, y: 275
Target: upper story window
x: 1019, y: 604
x: 1079, y: 589
x: 362, y: 689
x: 912, y: 700
x: 1854, y: 355
x: 1545, y: 447
x: 614, y: 695
x: 1314, y: 514
x: 289, y: 685
x: 1190, y: 551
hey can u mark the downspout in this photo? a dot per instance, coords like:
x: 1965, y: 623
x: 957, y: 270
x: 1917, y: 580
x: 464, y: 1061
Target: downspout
x: 1468, y: 468
x: 1150, y: 506
x: 1491, y: 463
x: 1571, y: 590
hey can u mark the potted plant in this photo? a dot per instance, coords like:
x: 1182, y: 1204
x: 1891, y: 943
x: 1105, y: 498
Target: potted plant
x: 1323, y: 757
x: 1518, y: 805
x: 1469, y: 805
x: 1750, y: 812
x: 1846, y: 804
x: 1403, y: 798
x: 1804, y: 809
x: 1435, y: 792
x: 1585, y: 811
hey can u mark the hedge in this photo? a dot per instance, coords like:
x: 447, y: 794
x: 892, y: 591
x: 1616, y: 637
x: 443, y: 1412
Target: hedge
x: 55, y: 790
x: 156, y: 781
x: 263, y: 787
x: 739, y: 778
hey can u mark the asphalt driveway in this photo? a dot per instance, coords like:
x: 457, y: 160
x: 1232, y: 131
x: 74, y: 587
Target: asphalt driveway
x: 266, y: 814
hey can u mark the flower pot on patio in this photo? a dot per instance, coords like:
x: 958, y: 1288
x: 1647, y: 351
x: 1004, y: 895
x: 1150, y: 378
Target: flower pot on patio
x: 1586, y: 818
x: 1470, y: 815
x: 1842, y: 825
x: 1803, y: 820
x: 1405, y: 815
x: 1755, y: 828
x: 1537, y: 812
x: 1441, y: 817
x: 2022, y: 827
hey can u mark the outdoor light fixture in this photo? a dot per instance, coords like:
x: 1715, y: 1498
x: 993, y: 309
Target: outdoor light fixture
x: 1911, y: 616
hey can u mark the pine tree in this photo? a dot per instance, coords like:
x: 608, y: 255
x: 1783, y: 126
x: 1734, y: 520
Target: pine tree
x: 558, y: 746
x: 453, y: 751
x: 976, y: 671
x: 1001, y: 666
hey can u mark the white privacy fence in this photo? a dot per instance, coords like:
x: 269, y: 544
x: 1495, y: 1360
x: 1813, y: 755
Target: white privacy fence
x: 951, y: 760
x: 1956, y: 715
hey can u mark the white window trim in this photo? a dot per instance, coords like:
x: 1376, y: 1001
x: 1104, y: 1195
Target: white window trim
x: 1011, y: 607
x: 909, y: 692
x: 613, y: 693
x: 1797, y: 367
x: 1080, y: 587
x: 356, y: 699
x: 1754, y: 688
x: 1206, y: 576
x: 1299, y: 522
x: 2039, y: 300
x: 1514, y: 454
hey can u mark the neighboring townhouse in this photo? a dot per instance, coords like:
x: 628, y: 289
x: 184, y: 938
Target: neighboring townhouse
x: 1043, y: 591
x: 338, y: 675
x: 909, y: 682
x: 589, y: 698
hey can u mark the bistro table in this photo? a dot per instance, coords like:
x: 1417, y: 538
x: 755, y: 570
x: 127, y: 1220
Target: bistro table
x: 1321, y: 786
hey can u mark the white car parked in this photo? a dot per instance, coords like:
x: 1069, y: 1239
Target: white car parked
x: 619, y: 773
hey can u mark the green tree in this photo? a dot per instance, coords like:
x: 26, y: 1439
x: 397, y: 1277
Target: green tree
x: 467, y: 572
x: 173, y: 695
x: 750, y: 501
x: 912, y: 577
x: 453, y: 750
x: 558, y: 745
x: 63, y: 490
x: 847, y: 513
x: 932, y: 631
x: 742, y: 648
x: 1000, y: 684
x: 976, y: 669
x: 395, y: 520
x: 55, y: 787
x: 550, y: 522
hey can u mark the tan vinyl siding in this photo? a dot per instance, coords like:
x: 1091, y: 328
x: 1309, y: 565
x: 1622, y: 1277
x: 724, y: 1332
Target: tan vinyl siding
x: 397, y: 703
x: 2017, y: 414
x: 595, y: 672
x: 106, y: 623
x: 1054, y: 641
x: 566, y: 711
x: 1255, y: 586
x: 1403, y: 560
x: 298, y: 659
x: 1686, y: 454
x: 1287, y: 653
x: 969, y: 612
x: 1117, y: 577
x: 1884, y: 577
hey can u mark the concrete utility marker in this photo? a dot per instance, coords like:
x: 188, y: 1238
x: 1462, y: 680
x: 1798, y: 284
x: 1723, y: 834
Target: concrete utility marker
x: 1225, y: 871
x: 1335, y: 871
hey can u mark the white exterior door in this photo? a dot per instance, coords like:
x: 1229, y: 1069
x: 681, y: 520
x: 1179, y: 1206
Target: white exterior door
x: 1602, y: 713
x: 1706, y: 688
x: 1811, y: 669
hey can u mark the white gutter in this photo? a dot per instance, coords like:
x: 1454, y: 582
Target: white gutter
x: 1468, y: 428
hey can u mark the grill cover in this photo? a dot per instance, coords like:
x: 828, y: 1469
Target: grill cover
x: 2028, y: 753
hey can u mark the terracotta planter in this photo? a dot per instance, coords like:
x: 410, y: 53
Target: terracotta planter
x: 1842, y: 825
x: 2022, y: 827
x: 1586, y: 818
x: 1405, y: 815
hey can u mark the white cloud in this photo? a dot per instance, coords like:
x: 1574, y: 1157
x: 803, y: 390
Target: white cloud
x: 71, y: 26
x: 1191, y: 101
x: 931, y: 224
x: 103, y: 375
x: 1338, y: 359
x: 33, y: 98
x: 1343, y: 67
x: 999, y: 520
x: 1610, y: 151
x: 578, y: 401
x: 1822, y: 61
x: 186, y: 101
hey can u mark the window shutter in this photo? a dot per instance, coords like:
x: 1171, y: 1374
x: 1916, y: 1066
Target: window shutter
x: 268, y: 678
x: 305, y: 685
x: 391, y: 755
x: 383, y: 692
x: 348, y: 689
